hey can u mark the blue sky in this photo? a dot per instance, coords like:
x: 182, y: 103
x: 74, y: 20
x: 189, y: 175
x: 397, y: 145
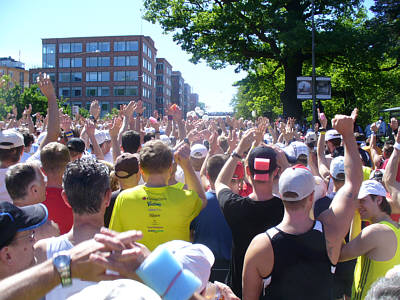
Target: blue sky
x: 23, y: 23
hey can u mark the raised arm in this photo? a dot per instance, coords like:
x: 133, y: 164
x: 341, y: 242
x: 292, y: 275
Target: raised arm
x: 323, y: 165
x: 338, y: 217
x: 114, y: 133
x: 377, y: 159
x: 53, y: 128
x: 389, y: 177
x: 193, y: 183
x: 225, y: 176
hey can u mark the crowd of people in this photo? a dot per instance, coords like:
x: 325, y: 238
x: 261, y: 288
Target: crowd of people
x: 181, y: 206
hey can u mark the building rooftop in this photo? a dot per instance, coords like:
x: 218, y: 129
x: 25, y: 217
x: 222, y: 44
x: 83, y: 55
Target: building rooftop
x: 11, y: 63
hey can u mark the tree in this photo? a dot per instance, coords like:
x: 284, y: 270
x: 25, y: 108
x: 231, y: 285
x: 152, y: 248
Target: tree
x: 247, y: 33
x: 20, y: 98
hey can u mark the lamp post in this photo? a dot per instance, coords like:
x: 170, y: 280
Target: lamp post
x: 314, y: 119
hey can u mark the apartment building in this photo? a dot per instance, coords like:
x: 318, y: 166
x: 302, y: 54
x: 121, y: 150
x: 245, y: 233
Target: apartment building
x: 112, y: 69
x: 15, y: 70
x: 163, y: 85
x: 177, y: 88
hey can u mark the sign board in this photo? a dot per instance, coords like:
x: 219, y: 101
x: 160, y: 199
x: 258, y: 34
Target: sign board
x: 322, y: 90
x: 75, y: 109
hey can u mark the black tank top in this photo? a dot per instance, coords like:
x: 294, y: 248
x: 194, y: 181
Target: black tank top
x: 302, y: 268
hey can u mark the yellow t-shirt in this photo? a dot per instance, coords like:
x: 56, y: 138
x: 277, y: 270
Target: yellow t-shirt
x: 367, y: 271
x: 161, y: 213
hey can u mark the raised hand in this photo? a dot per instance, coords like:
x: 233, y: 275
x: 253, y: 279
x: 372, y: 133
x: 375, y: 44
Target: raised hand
x: 45, y: 86
x: 139, y: 107
x: 65, y: 123
x: 182, y: 155
x: 95, y: 109
x: 345, y: 124
x: 322, y: 119
x: 116, y: 126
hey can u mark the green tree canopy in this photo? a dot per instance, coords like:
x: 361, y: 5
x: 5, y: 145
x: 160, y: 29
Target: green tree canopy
x: 249, y: 32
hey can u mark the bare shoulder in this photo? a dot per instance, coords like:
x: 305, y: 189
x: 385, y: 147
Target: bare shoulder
x: 260, y: 254
x: 40, y: 250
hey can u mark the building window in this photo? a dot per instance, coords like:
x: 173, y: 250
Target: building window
x: 76, y: 92
x: 132, y: 61
x: 126, y: 46
x: 91, y: 91
x: 97, y: 76
x: 160, y: 78
x: 119, y: 91
x: 103, y: 61
x: 105, y: 107
x: 126, y: 76
x: 64, y: 63
x: 49, y: 56
x: 64, y: 77
x: 132, y: 46
x: 64, y: 48
x: 104, y: 91
x: 98, y: 47
x: 131, y: 91
x: 95, y: 91
x: 119, y: 46
x: 76, y: 76
x: 76, y: 47
x: 160, y: 66
x: 64, y: 92
x: 144, y: 48
x: 149, y: 52
x: 76, y: 62
x: 119, y: 61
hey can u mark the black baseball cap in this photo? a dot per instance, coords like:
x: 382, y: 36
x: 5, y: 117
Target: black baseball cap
x: 76, y: 144
x: 15, y: 219
x: 262, y: 152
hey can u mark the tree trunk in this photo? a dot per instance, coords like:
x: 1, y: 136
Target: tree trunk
x: 291, y: 105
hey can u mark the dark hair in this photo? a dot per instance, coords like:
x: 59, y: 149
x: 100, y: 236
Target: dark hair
x: 85, y: 182
x: 384, y: 205
x: 223, y: 143
x: 130, y: 141
x: 148, y: 137
x: 388, y: 149
x: 18, y: 178
x: 214, y: 166
x: 336, y: 142
x: 294, y: 205
x: 155, y: 157
x: 385, y: 288
x: 12, y: 155
x: 28, y: 139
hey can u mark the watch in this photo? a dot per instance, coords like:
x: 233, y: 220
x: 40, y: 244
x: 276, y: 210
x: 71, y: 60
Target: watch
x: 235, y: 154
x: 62, y: 263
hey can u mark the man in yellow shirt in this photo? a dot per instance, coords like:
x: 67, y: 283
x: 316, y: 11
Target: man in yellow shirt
x: 163, y: 213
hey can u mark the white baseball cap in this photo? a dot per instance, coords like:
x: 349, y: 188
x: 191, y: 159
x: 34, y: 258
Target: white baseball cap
x: 198, y: 151
x: 297, y: 179
x: 10, y: 138
x: 296, y: 149
x: 310, y: 137
x: 100, y: 136
x: 116, y: 290
x: 337, y: 167
x: 332, y: 134
x: 196, y: 258
x: 371, y: 187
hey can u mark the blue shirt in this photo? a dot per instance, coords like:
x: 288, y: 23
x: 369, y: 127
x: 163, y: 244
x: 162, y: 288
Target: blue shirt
x: 210, y: 229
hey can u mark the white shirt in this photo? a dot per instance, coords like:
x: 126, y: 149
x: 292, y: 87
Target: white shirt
x: 4, y: 196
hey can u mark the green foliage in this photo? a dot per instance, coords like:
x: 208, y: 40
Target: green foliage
x: 272, y: 40
x: 84, y: 112
x: 21, y: 99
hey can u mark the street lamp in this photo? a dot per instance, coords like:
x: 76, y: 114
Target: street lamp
x: 313, y: 65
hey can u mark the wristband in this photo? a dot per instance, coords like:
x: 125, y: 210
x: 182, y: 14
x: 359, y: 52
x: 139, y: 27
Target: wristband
x: 322, y: 132
x: 235, y: 154
x: 69, y: 134
x: 396, y: 146
x: 170, y: 117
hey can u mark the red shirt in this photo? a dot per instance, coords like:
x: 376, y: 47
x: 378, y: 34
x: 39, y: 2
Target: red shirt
x: 59, y: 212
